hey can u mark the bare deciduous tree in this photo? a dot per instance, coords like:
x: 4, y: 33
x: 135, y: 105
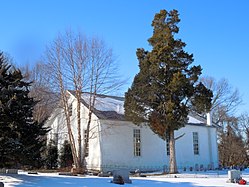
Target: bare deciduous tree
x: 244, y: 127
x: 225, y: 102
x: 58, y: 71
x: 232, y: 150
x: 225, y: 98
x: 40, y: 90
x: 84, y: 65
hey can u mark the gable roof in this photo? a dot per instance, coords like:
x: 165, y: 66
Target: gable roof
x: 112, y: 108
x: 106, y: 107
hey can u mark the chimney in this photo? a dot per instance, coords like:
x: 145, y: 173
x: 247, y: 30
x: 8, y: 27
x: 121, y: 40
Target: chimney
x: 209, y: 118
x: 118, y: 108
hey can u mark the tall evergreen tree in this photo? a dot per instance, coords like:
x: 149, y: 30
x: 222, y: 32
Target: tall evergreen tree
x: 166, y: 86
x: 34, y: 144
x: 66, y: 157
x: 52, y: 155
x: 20, y: 136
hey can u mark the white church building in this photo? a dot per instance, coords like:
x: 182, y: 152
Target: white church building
x: 117, y: 143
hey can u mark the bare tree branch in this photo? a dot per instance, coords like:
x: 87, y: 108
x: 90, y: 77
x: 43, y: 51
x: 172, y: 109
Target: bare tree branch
x: 84, y: 65
x: 225, y: 99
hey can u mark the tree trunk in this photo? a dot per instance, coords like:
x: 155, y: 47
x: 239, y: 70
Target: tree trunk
x: 72, y: 142
x: 86, y: 142
x: 78, y: 95
x: 68, y: 123
x: 172, y: 158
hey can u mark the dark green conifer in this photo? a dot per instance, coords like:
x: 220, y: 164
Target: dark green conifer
x: 21, y: 138
x: 52, y: 155
x: 167, y: 85
x: 66, y: 157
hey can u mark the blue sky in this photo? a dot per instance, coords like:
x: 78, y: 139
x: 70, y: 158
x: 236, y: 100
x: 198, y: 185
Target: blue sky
x: 216, y: 31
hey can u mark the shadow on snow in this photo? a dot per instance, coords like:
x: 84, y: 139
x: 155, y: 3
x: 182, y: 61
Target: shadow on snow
x: 54, y: 181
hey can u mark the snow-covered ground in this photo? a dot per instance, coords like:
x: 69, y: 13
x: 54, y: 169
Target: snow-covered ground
x: 54, y: 180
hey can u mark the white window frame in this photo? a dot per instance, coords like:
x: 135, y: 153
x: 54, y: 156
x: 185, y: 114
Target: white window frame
x: 85, y: 140
x: 70, y: 109
x: 56, y: 138
x: 137, y: 142
x: 167, y: 145
x: 196, y: 147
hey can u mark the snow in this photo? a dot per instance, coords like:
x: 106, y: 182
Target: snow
x: 106, y: 103
x: 214, y: 179
x: 109, y: 103
x: 193, y: 120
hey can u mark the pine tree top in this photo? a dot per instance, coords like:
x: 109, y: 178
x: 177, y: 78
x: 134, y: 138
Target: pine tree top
x: 167, y: 84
